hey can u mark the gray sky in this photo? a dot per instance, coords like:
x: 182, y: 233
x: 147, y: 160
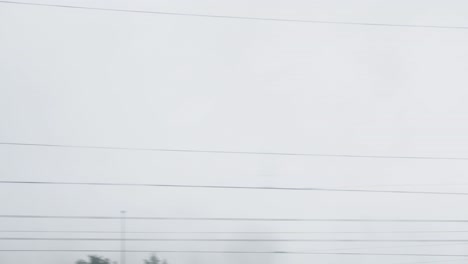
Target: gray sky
x: 120, y: 79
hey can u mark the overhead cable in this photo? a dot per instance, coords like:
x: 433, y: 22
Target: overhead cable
x: 233, y: 240
x: 162, y: 218
x: 238, y: 252
x: 229, y: 151
x: 193, y: 186
x: 246, y: 18
x: 232, y: 232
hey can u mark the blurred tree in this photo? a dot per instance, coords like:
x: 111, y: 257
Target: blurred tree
x: 94, y: 260
x: 153, y: 259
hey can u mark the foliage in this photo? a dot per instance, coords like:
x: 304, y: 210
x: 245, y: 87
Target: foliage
x: 94, y: 260
x: 153, y: 259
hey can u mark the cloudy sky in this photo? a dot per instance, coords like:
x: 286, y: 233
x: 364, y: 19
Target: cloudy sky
x: 84, y: 77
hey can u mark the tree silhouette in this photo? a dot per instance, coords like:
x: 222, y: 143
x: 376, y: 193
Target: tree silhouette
x: 153, y: 259
x: 94, y: 260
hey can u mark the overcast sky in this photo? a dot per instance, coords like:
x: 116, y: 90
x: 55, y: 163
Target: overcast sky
x: 86, y: 77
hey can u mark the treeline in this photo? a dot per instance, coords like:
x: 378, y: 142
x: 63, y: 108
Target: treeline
x: 93, y: 259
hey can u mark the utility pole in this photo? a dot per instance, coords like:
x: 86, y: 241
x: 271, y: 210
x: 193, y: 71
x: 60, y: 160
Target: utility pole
x: 122, y: 237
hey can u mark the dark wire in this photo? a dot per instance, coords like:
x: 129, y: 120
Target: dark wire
x: 235, y: 17
x: 232, y: 232
x: 230, y: 152
x: 233, y: 240
x: 237, y: 252
x: 230, y: 187
x: 160, y: 218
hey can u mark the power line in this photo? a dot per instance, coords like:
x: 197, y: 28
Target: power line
x: 229, y: 187
x: 229, y: 151
x: 232, y: 232
x: 238, y: 252
x: 333, y: 249
x: 235, y: 17
x: 160, y: 218
x: 233, y: 240
x: 359, y: 248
